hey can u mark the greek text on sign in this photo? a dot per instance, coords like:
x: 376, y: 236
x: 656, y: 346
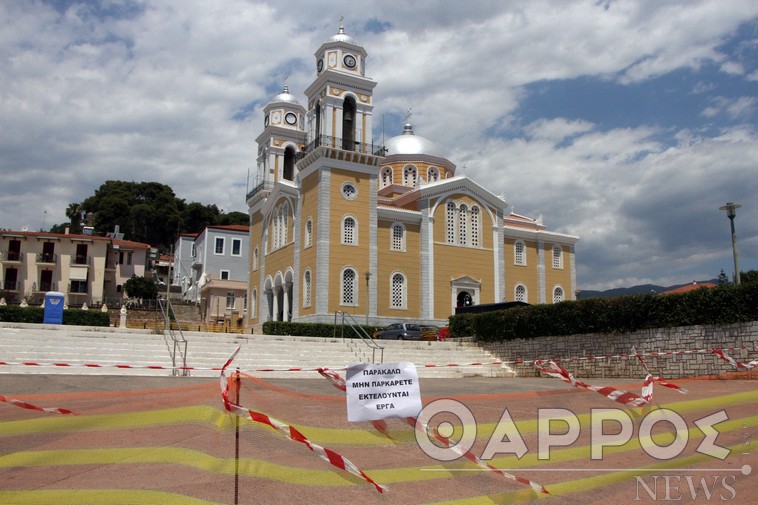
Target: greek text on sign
x: 377, y: 391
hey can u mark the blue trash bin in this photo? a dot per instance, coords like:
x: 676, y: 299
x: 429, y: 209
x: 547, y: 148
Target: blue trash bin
x: 54, y: 302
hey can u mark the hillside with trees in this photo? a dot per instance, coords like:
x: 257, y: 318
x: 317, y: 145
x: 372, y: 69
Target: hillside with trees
x: 147, y: 212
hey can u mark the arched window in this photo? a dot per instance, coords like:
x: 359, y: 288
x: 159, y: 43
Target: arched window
x: 348, y: 124
x: 289, y: 164
x: 557, y: 257
x: 254, y: 305
x: 397, y: 291
x: 398, y: 237
x: 409, y: 176
x: 308, y: 233
x: 520, y: 293
x: 462, y: 224
x: 557, y: 294
x: 450, y: 239
x: 280, y: 224
x: 348, y: 287
x: 285, y: 223
x: 386, y: 177
x: 255, y: 258
x: 349, y: 231
x: 475, y: 217
x: 307, y: 288
x: 432, y: 174
x: 519, y: 253
x: 318, y: 124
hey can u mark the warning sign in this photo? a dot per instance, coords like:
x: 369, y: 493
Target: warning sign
x: 377, y: 391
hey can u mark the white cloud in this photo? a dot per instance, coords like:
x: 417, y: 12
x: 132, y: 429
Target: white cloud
x: 173, y: 93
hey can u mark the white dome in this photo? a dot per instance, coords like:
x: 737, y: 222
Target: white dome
x: 410, y: 143
x: 341, y: 36
x: 285, y: 97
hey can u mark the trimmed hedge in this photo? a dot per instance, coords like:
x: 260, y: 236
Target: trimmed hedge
x: 73, y: 317
x: 320, y: 330
x: 706, y: 306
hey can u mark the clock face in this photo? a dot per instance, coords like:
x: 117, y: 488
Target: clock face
x: 265, y: 121
x: 320, y: 65
x: 290, y: 118
x: 349, y: 61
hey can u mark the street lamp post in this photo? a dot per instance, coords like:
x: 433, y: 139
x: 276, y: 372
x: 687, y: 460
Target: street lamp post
x: 731, y: 212
x: 368, y: 296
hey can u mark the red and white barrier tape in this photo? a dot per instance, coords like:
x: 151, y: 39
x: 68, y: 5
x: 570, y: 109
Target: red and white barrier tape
x: 738, y: 365
x: 338, y: 382
x: 290, y: 432
x: 553, y: 369
x: 24, y: 405
x: 650, y: 379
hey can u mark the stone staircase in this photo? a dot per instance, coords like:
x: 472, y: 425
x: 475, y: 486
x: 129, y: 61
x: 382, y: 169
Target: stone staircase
x: 259, y: 354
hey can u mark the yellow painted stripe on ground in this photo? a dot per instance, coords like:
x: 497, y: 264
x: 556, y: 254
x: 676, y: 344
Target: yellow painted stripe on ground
x: 98, y: 497
x: 175, y: 456
x: 580, y: 485
x: 219, y: 419
x: 319, y: 477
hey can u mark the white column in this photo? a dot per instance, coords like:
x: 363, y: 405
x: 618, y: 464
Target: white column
x: 276, y: 304
x: 286, y: 302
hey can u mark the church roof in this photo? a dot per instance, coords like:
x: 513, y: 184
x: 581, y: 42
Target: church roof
x: 410, y: 143
x: 341, y: 36
x: 286, y: 97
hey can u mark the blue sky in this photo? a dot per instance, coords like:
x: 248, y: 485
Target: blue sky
x: 627, y: 123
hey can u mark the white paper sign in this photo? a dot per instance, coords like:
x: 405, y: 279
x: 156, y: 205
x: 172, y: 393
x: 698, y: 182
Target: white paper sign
x: 377, y: 391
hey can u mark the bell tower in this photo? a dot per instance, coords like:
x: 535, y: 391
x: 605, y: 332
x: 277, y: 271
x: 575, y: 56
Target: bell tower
x: 340, y: 103
x: 283, y: 137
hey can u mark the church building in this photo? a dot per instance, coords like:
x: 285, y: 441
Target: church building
x: 384, y: 233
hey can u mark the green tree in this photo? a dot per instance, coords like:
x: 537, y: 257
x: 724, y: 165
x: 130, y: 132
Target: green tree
x: 749, y: 276
x: 234, y: 218
x: 196, y: 216
x: 146, y: 212
x: 141, y: 287
x: 723, y: 279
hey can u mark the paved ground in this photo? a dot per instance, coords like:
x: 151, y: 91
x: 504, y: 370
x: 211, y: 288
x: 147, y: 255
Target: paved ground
x: 166, y: 440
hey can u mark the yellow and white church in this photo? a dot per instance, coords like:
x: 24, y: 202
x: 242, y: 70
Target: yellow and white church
x: 385, y: 233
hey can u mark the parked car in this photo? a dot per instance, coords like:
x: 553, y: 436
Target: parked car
x: 443, y: 334
x: 430, y: 332
x: 400, y: 331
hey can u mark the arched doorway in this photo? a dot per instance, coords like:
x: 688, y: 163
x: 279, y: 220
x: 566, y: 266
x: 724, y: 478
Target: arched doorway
x: 464, y: 299
x: 289, y: 163
x: 348, y: 124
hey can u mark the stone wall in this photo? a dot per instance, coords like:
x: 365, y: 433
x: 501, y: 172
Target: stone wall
x: 189, y: 313
x: 742, y: 336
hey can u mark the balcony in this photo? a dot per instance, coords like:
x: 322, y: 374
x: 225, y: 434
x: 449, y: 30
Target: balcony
x: 78, y: 288
x: 44, y: 287
x: 51, y: 258
x: 11, y: 256
x: 81, y: 260
x: 344, y: 144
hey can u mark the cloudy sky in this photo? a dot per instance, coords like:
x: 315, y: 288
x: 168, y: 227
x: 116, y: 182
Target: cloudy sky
x: 627, y: 123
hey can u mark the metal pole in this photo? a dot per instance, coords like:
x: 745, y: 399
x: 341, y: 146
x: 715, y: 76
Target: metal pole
x: 368, y: 296
x: 734, y: 252
x: 731, y: 213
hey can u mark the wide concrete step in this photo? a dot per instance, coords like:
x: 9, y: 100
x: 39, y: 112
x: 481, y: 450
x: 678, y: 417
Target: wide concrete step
x: 132, y: 352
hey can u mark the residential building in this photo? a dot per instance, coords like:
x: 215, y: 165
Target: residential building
x: 385, y: 233
x: 125, y: 260
x: 87, y: 269
x: 181, y: 271
x: 218, y: 272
